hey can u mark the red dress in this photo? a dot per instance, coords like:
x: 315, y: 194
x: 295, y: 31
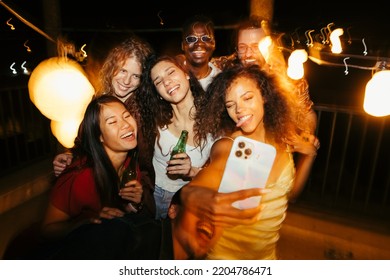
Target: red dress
x: 75, y: 194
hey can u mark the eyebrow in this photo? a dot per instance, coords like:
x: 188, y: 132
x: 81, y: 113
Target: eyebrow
x: 109, y: 117
x: 241, y: 95
x: 166, y: 70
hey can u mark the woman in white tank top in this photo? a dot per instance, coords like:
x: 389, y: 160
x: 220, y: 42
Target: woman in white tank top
x: 168, y: 104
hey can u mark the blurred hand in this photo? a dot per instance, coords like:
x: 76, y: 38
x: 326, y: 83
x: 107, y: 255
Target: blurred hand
x: 306, y: 144
x: 107, y: 213
x: 218, y: 206
x: 60, y: 162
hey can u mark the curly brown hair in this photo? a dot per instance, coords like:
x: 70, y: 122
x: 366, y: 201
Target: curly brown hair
x: 279, y: 113
x: 133, y: 46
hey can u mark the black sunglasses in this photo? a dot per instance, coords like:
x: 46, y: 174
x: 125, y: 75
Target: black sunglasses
x: 192, y: 39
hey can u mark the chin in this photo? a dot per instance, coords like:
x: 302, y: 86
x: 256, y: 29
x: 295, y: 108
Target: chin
x: 199, y: 256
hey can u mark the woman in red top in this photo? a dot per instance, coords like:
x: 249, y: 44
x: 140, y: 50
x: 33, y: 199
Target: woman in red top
x: 88, y: 189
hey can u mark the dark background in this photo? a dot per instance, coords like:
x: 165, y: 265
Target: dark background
x: 100, y: 24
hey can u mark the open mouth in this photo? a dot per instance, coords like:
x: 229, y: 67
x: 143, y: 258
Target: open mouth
x: 127, y: 135
x: 198, y: 53
x: 242, y: 120
x: 250, y: 61
x: 205, y: 229
x: 173, y: 89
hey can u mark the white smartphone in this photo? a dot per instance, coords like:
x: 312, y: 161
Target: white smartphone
x: 248, y: 166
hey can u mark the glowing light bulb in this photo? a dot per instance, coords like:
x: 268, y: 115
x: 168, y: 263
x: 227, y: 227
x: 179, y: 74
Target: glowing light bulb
x: 61, y: 91
x: 377, y: 96
x: 295, y: 68
x: 65, y: 131
x: 335, y: 40
x: 264, y: 46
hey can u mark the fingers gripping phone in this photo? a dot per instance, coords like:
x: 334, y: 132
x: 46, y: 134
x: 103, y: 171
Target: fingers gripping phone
x: 248, y: 166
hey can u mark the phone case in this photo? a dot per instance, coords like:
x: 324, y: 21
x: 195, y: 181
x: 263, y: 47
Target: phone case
x: 248, y: 166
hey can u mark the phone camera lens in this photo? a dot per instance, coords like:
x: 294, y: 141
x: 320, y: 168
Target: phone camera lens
x: 241, y: 145
x: 238, y: 153
x: 248, y: 152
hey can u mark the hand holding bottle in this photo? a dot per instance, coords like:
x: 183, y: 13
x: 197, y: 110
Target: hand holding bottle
x: 130, y: 189
x: 179, y: 164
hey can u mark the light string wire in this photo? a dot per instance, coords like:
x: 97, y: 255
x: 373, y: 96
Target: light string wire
x: 64, y: 48
x: 27, y: 22
x: 312, y: 58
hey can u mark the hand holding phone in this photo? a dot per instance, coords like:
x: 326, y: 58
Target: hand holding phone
x: 248, y: 166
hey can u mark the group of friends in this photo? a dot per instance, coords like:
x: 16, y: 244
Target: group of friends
x: 143, y: 101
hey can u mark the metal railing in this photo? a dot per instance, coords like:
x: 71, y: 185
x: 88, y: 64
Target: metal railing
x: 25, y: 135
x: 351, y: 171
x: 350, y: 174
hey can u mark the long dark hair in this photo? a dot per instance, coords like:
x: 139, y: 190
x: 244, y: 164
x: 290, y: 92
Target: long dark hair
x: 156, y: 112
x: 89, y: 152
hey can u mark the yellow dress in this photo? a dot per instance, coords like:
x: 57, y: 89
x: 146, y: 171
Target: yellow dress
x: 258, y: 241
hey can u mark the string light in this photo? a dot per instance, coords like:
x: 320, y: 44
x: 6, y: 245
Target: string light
x: 317, y: 50
x: 295, y: 64
x: 10, y: 25
x: 346, y: 65
x: 335, y: 40
x: 25, y: 70
x: 264, y: 47
x: 161, y: 20
x: 328, y: 51
x: 13, y: 69
x: 27, y: 47
x: 377, y: 94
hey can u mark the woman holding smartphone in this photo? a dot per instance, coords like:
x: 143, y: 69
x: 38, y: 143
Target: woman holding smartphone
x: 247, y: 101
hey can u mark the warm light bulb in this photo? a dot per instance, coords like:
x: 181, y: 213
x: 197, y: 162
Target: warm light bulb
x: 295, y: 68
x: 335, y: 40
x: 264, y: 46
x: 377, y: 96
x: 60, y: 89
x: 65, y: 131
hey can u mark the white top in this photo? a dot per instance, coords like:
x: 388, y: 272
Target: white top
x: 161, y: 156
x: 209, y: 78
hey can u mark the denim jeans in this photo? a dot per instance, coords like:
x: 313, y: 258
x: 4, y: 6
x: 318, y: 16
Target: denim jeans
x: 163, y: 199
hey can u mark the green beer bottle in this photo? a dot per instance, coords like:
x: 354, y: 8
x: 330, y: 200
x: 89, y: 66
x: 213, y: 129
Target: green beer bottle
x: 180, y: 145
x: 179, y: 148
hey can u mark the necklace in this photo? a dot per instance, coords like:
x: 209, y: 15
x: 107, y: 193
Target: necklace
x: 208, y: 73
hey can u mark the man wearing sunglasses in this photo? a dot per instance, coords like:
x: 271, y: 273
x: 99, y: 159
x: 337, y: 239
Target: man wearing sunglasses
x: 198, y: 45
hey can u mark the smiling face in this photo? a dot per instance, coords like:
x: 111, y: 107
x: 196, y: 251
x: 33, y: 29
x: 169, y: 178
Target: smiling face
x: 118, y: 128
x: 127, y: 79
x: 248, y: 46
x: 199, y: 45
x: 171, y: 82
x: 245, y: 105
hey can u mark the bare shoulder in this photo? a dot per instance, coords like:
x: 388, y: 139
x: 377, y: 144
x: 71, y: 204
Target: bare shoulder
x: 221, y: 148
